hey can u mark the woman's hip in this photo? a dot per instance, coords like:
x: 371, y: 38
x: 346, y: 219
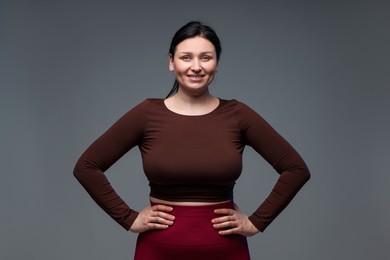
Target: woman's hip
x: 192, y: 236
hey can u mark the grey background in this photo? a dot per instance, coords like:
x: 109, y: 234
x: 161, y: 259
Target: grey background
x: 318, y: 71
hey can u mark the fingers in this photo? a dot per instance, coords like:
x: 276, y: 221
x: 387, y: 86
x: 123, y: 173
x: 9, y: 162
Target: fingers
x: 229, y: 222
x: 231, y: 231
x: 160, y: 211
x: 159, y: 218
x: 225, y: 222
x: 227, y: 218
x: 233, y: 222
x: 153, y: 225
x: 224, y: 211
x: 159, y: 222
x: 160, y: 207
x: 154, y: 217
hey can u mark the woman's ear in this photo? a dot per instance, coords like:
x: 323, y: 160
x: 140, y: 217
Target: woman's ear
x: 171, y: 66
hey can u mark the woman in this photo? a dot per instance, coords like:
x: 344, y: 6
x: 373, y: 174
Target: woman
x: 191, y: 145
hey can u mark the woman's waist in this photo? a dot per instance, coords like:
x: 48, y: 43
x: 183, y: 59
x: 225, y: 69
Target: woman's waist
x: 155, y: 200
x: 193, y: 209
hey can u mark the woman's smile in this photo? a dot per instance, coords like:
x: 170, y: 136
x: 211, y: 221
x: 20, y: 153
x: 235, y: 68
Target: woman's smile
x: 196, y: 78
x: 194, y: 64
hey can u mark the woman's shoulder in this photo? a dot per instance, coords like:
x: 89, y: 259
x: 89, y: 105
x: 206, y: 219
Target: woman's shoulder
x: 240, y: 110
x: 142, y: 108
x: 150, y: 103
x: 234, y: 104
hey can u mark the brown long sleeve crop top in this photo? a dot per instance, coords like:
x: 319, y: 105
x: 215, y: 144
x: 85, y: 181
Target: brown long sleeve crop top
x: 191, y: 158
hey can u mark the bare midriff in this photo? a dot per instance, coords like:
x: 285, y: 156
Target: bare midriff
x: 184, y: 203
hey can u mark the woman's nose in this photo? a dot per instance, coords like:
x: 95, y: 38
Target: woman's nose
x: 195, y: 66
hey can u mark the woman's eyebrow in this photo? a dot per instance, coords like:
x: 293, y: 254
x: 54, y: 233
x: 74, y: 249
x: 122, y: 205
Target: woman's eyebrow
x: 188, y: 52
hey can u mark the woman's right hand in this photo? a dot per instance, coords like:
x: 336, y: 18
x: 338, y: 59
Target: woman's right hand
x: 153, y: 217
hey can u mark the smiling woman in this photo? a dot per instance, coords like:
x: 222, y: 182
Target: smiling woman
x: 194, y: 64
x: 190, y: 31
x: 191, y: 145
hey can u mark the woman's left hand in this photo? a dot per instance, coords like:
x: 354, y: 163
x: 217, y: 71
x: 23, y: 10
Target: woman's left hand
x: 233, y: 221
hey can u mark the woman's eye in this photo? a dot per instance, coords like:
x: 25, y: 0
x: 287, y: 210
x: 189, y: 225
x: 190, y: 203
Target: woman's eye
x: 186, y: 58
x: 206, y: 58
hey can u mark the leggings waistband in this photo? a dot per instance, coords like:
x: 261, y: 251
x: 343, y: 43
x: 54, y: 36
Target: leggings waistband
x: 197, y: 210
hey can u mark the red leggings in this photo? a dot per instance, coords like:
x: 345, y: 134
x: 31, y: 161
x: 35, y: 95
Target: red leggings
x: 192, y: 236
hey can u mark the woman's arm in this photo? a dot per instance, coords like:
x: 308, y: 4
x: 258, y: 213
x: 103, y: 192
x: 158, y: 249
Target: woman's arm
x: 293, y: 171
x: 126, y: 133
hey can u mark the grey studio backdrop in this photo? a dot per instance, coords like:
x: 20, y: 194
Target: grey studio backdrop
x: 318, y: 71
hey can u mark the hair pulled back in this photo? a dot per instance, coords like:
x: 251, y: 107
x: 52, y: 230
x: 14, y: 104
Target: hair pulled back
x: 191, y: 30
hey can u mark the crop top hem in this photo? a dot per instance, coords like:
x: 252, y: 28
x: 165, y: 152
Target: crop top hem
x: 192, y: 192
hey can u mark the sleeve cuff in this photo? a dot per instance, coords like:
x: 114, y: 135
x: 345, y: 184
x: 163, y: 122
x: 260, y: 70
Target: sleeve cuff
x: 130, y: 220
x: 261, y: 226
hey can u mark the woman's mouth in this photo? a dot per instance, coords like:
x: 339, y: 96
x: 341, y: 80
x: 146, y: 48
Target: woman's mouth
x: 195, y: 77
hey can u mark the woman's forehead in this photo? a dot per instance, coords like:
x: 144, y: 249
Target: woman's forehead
x: 195, y: 44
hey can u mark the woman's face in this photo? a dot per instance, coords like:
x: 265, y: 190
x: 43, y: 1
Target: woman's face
x: 195, y: 63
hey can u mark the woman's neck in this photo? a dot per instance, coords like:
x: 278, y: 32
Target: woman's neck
x: 192, y: 105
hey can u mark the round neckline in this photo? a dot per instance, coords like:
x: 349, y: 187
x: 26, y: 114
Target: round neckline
x: 184, y: 115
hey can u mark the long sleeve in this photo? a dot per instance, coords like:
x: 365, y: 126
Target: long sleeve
x: 126, y: 133
x: 293, y: 171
